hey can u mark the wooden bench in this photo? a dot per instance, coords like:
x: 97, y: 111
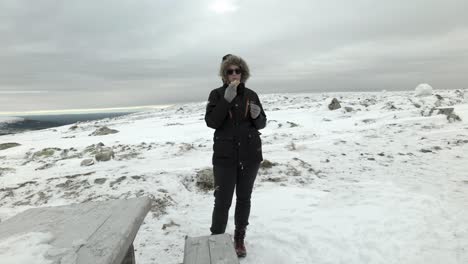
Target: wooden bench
x: 90, y: 233
x: 215, y: 249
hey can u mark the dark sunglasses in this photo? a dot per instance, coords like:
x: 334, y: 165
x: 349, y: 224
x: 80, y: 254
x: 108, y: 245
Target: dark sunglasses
x: 231, y: 71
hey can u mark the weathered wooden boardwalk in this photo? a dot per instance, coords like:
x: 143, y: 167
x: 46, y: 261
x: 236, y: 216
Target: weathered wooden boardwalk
x: 88, y: 233
x: 216, y: 249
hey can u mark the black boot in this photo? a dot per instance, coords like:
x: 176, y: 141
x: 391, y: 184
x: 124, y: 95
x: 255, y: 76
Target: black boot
x: 239, y: 235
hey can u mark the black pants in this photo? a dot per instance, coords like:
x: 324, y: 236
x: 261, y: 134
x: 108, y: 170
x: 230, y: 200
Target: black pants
x: 225, y: 179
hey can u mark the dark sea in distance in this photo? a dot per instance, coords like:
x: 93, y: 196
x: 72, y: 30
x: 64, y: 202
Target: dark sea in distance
x: 36, y: 122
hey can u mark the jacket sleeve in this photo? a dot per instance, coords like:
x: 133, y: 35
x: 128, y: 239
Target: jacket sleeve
x: 216, y: 110
x: 261, y: 120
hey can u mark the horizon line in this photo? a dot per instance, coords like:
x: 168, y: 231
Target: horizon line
x: 84, y: 110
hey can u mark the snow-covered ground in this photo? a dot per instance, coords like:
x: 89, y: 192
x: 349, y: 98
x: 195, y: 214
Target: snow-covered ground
x: 26, y: 248
x: 383, y: 182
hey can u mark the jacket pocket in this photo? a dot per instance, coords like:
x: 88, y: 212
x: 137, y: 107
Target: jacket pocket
x: 255, y: 144
x: 223, y: 147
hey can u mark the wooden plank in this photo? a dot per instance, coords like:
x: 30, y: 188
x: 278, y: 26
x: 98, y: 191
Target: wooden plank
x: 111, y: 241
x: 222, y: 250
x: 196, y: 250
x: 130, y: 257
x: 216, y: 249
x: 95, y: 232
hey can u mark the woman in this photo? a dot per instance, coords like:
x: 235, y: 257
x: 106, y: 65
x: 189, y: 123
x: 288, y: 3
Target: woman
x: 236, y: 113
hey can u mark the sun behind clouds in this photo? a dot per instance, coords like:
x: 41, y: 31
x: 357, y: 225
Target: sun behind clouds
x: 223, y: 6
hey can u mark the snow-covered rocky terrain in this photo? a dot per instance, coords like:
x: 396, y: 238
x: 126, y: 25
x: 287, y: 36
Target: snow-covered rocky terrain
x: 381, y: 179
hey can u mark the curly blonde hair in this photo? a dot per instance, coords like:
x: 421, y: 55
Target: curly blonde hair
x: 229, y: 60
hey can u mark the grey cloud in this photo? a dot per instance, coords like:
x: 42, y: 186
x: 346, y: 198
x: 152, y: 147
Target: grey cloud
x: 107, y: 53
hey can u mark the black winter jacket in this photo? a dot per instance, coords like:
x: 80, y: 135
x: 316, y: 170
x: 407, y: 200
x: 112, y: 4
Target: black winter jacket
x: 236, y: 138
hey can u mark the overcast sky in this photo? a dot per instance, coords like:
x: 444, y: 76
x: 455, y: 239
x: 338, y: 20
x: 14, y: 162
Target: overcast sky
x: 57, y: 54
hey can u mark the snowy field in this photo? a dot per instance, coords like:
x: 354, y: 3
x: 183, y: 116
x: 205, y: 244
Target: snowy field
x: 383, y: 179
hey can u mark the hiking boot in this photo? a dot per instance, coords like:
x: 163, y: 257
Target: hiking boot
x: 239, y: 235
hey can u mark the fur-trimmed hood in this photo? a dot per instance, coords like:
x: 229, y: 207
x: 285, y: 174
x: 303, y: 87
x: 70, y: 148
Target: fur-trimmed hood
x: 234, y: 60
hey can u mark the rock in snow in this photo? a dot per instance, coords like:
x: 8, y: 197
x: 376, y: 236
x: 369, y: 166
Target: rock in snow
x: 423, y: 89
x: 334, y: 104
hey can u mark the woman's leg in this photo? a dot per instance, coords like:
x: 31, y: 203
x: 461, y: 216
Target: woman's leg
x: 245, y: 183
x: 224, y: 182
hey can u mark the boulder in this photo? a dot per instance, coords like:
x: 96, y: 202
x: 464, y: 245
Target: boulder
x: 423, y: 89
x: 104, y: 154
x: 334, y: 104
x: 348, y: 109
x: 87, y: 162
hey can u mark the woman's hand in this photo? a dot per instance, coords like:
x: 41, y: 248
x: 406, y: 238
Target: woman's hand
x: 231, y: 91
x: 254, y: 110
